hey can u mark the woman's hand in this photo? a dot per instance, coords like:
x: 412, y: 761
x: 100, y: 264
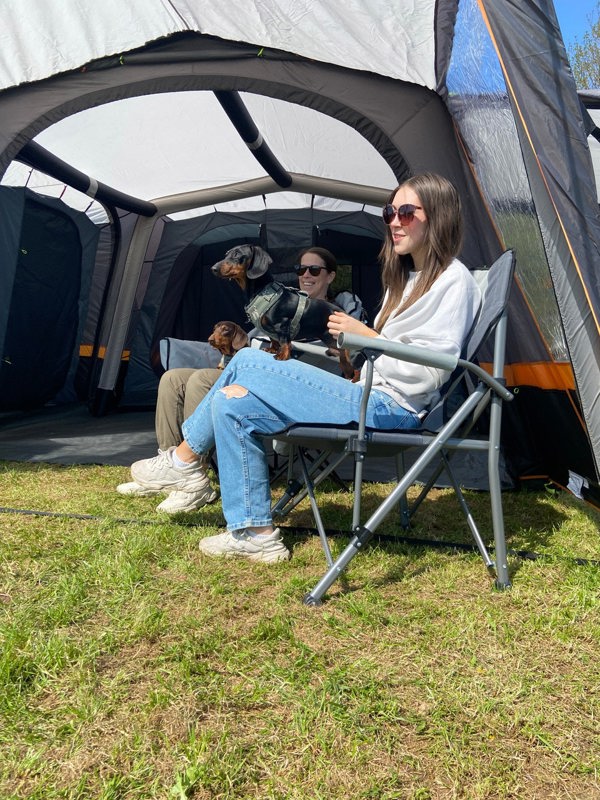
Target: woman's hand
x: 339, y: 322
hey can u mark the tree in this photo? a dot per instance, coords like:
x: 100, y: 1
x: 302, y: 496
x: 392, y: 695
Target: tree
x: 584, y: 55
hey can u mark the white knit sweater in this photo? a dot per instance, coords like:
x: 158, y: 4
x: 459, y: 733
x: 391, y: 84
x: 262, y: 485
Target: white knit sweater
x: 440, y: 320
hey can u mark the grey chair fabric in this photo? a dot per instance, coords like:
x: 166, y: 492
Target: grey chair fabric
x: 175, y: 353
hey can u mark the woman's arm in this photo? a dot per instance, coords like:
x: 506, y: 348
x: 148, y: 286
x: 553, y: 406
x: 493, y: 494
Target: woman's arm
x: 339, y: 322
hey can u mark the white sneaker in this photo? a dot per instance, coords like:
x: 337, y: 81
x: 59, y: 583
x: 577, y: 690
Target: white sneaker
x: 160, y: 473
x: 180, y: 502
x: 133, y: 488
x: 246, y: 544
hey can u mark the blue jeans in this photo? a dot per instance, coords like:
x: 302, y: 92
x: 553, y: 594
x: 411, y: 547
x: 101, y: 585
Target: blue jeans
x: 279, y: 394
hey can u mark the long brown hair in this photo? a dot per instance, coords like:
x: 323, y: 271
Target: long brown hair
x: 443, y: 238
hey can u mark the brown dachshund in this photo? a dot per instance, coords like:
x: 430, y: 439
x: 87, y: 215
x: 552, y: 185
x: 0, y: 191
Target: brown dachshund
x: 281, y: 312
x: 227, y: 337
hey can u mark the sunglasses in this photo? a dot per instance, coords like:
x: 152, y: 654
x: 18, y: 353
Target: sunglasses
x: 406, y: 213
x: 300, y: 269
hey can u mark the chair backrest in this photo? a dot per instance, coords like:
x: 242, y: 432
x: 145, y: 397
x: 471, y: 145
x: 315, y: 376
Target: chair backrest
x: 495, y: 293
x: 495, y: 284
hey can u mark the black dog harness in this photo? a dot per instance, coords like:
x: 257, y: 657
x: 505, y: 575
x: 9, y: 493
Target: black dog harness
x: 267, y: 298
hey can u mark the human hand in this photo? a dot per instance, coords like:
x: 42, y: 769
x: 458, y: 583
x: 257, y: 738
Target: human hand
x: 339, y: 322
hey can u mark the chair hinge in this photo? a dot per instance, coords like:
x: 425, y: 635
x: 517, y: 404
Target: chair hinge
x: 362, y: 536
x: 356, y: 445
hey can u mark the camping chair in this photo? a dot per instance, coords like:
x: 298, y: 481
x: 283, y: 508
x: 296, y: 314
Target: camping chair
x: 451, y: 426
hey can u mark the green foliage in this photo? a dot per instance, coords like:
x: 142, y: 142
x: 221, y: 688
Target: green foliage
x: 584, y: 55
x: 343, y: 279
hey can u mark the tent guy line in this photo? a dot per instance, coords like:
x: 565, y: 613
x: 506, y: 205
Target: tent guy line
x: 525, y: 555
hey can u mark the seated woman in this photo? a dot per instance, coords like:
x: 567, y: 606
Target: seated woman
x: 430, y: 300
x: 182, y: 389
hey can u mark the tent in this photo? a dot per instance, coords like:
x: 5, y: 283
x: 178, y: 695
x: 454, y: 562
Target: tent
x: 177, y: 127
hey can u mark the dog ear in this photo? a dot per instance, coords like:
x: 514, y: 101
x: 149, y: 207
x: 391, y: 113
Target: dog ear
x: 261, y: 261
x: 240, y: 339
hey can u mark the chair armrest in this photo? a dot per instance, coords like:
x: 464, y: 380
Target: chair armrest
x: 421, y: 355
x: 493, y: 383
x: 314, y: 349
x: 403, y: 352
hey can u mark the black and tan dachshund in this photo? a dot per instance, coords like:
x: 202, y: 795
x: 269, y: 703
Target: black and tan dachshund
x: 227, y: 337
x: 281, y: 312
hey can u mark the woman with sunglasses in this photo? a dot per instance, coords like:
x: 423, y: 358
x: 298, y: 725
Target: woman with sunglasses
x: 316, y: 270
x: 430, y: 300
x: 181, y: 389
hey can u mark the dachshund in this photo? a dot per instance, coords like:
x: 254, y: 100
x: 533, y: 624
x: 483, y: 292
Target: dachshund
x: 281, y: 312
x: 227, y: 337
x: 247, y: 265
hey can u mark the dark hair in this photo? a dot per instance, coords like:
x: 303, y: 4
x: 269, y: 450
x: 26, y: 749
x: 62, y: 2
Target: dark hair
x: 326, y: 257
x: 443, y: 238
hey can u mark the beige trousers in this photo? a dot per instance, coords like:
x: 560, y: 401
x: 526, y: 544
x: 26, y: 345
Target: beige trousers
x: 180, y: 391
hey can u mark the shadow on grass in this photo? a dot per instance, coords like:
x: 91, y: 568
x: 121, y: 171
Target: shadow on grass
x: 537, y: 526
x: 533, y: 521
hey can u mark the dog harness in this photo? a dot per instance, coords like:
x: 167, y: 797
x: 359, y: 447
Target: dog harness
x: 263, y: 301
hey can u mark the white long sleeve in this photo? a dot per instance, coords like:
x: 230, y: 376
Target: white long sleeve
x: 439, y: 320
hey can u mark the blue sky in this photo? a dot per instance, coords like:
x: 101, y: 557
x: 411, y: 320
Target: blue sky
x: 573, y: 18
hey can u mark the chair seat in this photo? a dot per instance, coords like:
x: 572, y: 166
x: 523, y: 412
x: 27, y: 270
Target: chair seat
x: 317, y: 436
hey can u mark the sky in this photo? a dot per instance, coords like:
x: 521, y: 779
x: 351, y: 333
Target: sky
x: 574, y: 18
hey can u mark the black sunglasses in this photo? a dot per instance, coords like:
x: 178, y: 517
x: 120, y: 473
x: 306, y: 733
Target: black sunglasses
x: 314, y: 270
x: 406, y: 213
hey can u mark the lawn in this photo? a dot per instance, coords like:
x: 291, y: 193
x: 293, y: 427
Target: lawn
x: 132, y: 666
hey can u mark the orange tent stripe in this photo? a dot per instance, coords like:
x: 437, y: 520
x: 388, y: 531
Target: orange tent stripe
x: 86, y: 351
x: 543, y: 375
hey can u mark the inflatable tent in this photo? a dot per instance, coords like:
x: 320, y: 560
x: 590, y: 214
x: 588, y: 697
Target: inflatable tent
x: 178, y: 127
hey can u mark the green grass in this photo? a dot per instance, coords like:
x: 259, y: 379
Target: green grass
x: 131, y: 666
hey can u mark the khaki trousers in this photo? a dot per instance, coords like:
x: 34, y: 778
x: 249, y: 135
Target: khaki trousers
x: 180, y: 391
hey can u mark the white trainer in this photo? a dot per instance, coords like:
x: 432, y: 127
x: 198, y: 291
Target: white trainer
x: 133, y: 488
x: 160, y: 473
x: 246, y: 544
x: 180, y: 502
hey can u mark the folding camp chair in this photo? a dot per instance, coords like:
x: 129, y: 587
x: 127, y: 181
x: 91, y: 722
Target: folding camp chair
x: 451, y: 426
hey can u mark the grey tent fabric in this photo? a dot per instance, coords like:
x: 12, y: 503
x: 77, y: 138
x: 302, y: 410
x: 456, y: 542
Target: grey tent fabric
x: 45, y: 282
x: 554, y: 152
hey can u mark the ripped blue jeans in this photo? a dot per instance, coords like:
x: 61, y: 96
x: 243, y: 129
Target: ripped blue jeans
x: 278, y: 394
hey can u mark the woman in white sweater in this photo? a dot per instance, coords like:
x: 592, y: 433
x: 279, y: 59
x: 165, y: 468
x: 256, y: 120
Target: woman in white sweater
x: 430, y: 300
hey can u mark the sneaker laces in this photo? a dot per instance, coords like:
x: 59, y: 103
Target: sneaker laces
x: 161, y: 460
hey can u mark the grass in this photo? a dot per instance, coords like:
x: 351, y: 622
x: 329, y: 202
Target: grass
x: 131, y: 666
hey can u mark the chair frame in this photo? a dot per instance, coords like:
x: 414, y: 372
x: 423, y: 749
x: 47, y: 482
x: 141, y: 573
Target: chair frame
x: 335, y: 444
